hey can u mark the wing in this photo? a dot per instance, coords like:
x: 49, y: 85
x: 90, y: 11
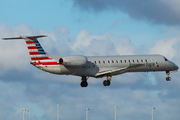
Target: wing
x: 117, y: 71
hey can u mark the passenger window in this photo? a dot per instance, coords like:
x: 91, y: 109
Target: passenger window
x: 117, y: 61
x: 112, y: 61
x: 121, y: 61
x: 99, y: 62
x: 108, y: 61
x: 137, y: 60
x: 125, y: 61
x: 141, y: 60
x: 95, y: 62
x: 146, y: 60
x: 133, y: 61
x: 104, y: 62
x: 129, y: 61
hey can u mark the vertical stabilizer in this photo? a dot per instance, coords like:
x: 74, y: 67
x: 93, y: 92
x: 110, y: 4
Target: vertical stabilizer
x: 36, y: 51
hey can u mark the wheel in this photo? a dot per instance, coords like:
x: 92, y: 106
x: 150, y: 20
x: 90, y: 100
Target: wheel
x: 106, y: 83
x: 84, y: 84
x: 168, y: 78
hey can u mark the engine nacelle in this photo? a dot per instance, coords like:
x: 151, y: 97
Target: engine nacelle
x: 73, y: 61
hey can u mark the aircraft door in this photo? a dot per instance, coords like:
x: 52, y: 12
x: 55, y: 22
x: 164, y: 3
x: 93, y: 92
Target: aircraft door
x: 153, y: 61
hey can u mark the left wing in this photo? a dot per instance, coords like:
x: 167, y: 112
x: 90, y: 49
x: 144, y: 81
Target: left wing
x: 117, y: 71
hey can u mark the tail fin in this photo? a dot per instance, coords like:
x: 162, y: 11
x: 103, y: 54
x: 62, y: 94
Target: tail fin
x: 37, y: 53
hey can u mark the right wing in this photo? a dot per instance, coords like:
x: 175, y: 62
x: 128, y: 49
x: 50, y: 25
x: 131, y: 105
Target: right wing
x: 117, y: 71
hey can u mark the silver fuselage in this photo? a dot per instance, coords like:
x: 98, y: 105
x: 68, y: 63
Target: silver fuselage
x: 95, y: 65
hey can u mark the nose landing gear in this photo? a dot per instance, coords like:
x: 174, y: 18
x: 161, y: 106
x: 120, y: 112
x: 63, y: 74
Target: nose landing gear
x: 168, y: 78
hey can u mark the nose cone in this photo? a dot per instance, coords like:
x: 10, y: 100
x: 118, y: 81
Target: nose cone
x: 175, y: 67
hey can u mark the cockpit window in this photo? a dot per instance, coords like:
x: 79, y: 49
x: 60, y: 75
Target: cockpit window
x: 165, y: 59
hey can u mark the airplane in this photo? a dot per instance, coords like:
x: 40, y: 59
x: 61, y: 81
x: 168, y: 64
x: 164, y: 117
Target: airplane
x: 94, y: 66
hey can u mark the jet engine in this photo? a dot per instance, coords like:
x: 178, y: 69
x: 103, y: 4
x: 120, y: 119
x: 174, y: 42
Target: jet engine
x: 73, y: 61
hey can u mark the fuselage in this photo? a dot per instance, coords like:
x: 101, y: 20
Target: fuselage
x: 98, y: 64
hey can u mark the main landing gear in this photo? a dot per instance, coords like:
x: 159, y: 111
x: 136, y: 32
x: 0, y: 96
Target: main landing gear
x: 84, y: 82
x: 107, y: 82
x: 168, y: 78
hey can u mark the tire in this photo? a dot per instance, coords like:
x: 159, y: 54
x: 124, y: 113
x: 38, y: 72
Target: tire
x: 168, y: 78
x: 84, y: 84
x: 104, y: 83
x: 108, y: 83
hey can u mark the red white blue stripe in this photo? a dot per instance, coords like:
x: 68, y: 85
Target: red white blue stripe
x: 38, y: 54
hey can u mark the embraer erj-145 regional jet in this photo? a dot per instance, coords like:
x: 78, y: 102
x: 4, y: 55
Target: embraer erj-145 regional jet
x: 97, y: 67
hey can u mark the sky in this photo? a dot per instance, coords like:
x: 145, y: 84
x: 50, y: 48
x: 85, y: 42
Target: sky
x: 89, y: 27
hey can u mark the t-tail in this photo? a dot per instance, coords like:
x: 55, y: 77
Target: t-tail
x: 36, y: 51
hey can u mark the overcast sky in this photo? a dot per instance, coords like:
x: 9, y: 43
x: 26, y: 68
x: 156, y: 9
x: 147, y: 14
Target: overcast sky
x: 89, y: 27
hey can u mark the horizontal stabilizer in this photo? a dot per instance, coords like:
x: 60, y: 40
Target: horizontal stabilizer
x: 24, y: 37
